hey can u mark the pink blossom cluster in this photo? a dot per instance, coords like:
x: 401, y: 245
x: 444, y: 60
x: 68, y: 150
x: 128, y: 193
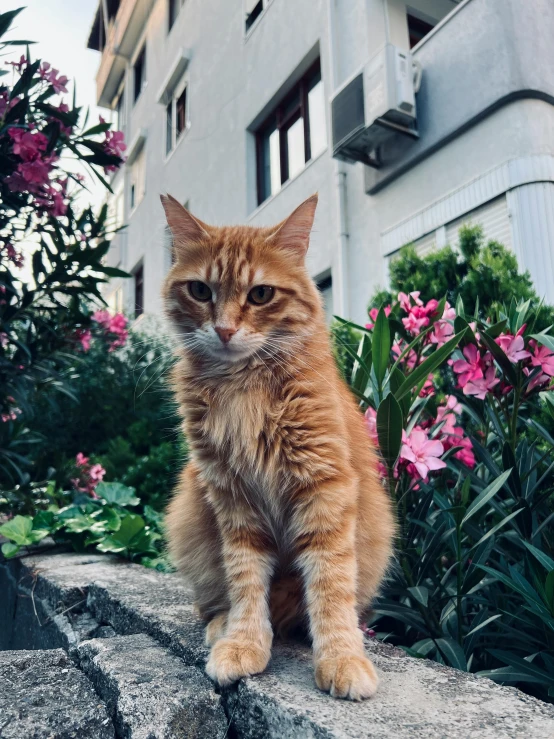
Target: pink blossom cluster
x: 52, y: 76
x: 12, y: 411
x: 83, y: 336
x: 477, y: 373
x: 34, y: 170
x: 114, y: 144
x: 5, y: 103
x: 114, y: 326
x: 88, y: 475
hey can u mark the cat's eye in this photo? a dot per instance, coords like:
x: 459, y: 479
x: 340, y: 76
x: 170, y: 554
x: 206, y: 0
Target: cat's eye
x: 260, y: 295
x: 199, y: 290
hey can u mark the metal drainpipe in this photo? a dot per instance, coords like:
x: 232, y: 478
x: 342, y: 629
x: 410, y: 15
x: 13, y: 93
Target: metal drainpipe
x: 342, y: 307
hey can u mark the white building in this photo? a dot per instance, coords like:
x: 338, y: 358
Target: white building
x: 226, y: 104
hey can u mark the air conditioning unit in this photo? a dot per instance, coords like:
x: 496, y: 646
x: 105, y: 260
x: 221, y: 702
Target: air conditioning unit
x: 375, y: 104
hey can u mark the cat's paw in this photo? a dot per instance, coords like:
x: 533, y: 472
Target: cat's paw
x: 215, y: 629
x: 347, y: 676
x: 231, y: 659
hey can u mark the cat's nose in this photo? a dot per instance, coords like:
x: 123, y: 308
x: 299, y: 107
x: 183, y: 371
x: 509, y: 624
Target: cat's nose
x: 225, y: 334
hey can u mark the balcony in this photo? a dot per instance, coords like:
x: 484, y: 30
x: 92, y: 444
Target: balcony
x: 117, y: 40
x: 481, y: 57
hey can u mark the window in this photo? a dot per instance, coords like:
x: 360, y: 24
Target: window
x: 139, y: 72
x: 138, y: 178
x: 176, y: 114
x: 254, y: 8
x: 173, y: 12
x: 417, y: 29
x: 293, y: 134
x: 325, y: 286
x: 119, y: 112
x: 139, y: 291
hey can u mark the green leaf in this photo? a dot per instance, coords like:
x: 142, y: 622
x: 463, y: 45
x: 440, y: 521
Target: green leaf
x: 9, y: 549
x: 131, y: 525
x: 486, y: 495
x: 18, y: 530
x: 544, y: 339
x: 452, y: 653
x: 483, y: 623
x: 420, y: 593
x: 6, y: 20
x: 546, y: 561
x: 362, y: 365
x: 116, y: 492
x: 548, y: 398
x: 390, y: 423
x: 381, y: 346
x: 523, y: 666
x: 430, y: 365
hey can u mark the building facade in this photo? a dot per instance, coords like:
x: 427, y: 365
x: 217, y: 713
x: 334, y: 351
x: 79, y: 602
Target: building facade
x: 226, y: 104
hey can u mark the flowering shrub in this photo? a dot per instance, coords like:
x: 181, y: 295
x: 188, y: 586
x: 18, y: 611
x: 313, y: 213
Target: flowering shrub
x: 457, y: 406
x: 51, y: 255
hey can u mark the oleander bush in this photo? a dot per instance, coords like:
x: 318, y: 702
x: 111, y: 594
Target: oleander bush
x: 453, y: 401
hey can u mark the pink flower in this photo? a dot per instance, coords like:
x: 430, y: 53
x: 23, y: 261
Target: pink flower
x: 480, y: 386
x: 81, y: 460
x: 442, y: 331
x: 513, y: 347
x: 428, y: 388
x: 542, y: 357
x: 102, y: 317
x: 27, y: 144
x: 410, y: 360
x: 4, y: 339
x: 96, y: 473
x: 470, y: 368
x: 422, y: 452
x: 374, y: 312
x: 413, y: 324
x: 84, y: 337
x: 58, y: 83
x: 18, y: 66
x: 405, y: 303
x: 371, y: 424
x: 449, y: 312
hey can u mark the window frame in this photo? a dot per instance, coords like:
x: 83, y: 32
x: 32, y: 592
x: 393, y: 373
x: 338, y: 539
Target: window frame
x: 140, y: 159
x: 282, y: 120
x: 140, y: 56
x: 257, y: 11
x: 176, y: 137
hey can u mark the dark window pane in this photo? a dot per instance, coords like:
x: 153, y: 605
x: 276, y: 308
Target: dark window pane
x: 270, y: 164
x: 417, y: 29
x: 133, y: 190
x: 181, y: 112
x: 173, y: 12
x: 120, y: 112
x: 169, y: 127
x: 254, y: 14
x: 139, y: 292
x: 139, y: 72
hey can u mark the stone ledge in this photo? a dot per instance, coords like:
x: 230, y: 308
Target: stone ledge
x: 44, y: 696
x: 152, y: 613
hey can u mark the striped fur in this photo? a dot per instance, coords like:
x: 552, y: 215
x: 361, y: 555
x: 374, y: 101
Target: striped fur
x: 279, y: 518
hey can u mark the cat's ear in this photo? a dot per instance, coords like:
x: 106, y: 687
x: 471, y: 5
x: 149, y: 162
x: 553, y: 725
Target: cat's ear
x: 293, y: 234
x: 184, y: 227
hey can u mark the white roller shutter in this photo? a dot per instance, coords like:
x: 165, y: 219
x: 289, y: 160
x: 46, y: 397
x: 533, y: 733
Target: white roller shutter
x: 492, y: 217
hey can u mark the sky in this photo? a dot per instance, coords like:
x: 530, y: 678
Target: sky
x: 61, y: 29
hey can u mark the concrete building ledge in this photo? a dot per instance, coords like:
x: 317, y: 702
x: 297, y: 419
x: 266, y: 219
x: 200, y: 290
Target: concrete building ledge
x: 133, y: 638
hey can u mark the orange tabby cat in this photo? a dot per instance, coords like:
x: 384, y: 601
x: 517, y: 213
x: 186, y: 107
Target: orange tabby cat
x: 279, y: 517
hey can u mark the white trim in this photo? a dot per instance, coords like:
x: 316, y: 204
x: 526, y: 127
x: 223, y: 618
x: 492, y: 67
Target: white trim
x: 176, y: 72
x: 492, y: 184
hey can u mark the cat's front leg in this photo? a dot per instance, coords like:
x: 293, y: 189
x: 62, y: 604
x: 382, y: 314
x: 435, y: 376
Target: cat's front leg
x: 326, y: 546
x: 246, y: 647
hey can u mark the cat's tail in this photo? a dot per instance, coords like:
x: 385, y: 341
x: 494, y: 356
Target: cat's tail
x: 286, y: 604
